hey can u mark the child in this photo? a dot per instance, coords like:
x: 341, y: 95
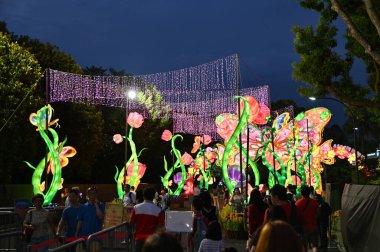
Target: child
x: 213, y: 241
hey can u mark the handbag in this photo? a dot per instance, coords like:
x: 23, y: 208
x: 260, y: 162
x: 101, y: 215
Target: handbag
x: 28, y: 232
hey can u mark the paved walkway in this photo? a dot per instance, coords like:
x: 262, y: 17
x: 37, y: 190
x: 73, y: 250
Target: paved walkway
x: 240, y: 245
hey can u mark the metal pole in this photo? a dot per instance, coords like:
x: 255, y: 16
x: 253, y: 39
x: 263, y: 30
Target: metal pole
x: 46, y: 129
x: 239, y: 114
x: 126, y: 142
x: 356, y: 157
x: 308, y: 148
x: 295, y: 156
x: 274, y: 159
x: 246, y: 167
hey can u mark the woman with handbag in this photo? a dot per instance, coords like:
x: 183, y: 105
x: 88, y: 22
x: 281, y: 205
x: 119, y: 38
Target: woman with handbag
x: 37, y: 223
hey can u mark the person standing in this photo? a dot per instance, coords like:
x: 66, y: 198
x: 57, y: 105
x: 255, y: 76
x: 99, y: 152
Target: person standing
x: 91, y: 214
x: 69, y: 218
x: 278, y: 198
x: 213, y: 241
x: 237, y: 201
x: 256, y: 211
x: 323, y: 216
x: 129, y: 198
x: 39, y: 220
x: 147, y: 218
x: 165, y: 199
x: 309, y: 218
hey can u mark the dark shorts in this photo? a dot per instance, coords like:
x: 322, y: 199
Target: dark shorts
x: 311, y: 237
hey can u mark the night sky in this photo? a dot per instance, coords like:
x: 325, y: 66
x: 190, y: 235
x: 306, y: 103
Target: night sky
x: 143, y: 36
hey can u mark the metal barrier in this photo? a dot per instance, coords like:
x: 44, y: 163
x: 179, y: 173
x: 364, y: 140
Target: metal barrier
x: 11, y: 241
x: 9, y: 221
x: 109, y: 239
x: 72, y: 246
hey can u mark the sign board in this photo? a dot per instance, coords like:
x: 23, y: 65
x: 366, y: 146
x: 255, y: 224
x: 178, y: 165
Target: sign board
x: 179, y: 221
x: 113, y: 215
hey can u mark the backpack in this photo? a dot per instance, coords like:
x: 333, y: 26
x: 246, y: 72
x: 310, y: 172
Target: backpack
x: 200, y: 233
x: 130, y: 196
x: 210, y: 213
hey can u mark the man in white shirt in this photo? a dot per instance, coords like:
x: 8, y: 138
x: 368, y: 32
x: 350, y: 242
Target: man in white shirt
x: 129, y: 198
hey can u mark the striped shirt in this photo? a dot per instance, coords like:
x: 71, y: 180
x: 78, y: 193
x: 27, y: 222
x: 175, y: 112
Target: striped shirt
x: 146, y: 217
x: 208, y: 245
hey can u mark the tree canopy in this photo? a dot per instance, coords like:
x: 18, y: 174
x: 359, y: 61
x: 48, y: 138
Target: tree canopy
x: 326, y: 71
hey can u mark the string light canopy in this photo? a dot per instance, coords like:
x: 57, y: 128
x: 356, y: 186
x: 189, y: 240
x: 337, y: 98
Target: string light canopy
x: 196, y: 95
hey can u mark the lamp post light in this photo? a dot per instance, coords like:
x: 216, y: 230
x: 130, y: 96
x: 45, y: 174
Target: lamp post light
x: 354, y: 128
x: 130, y: 95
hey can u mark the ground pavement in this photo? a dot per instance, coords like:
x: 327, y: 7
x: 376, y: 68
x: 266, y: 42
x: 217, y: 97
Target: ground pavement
x: 240, y: 245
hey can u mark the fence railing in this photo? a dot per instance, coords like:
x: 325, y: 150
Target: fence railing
x: 72, y: 246
x: 110, y: 239
x: 114, y: 238
x: 11, y: 241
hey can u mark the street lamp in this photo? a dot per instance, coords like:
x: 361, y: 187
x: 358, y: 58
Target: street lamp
x: 353, y: 125
x: 130, y: 95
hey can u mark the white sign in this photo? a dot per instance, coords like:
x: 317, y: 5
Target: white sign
x: 179, y: 221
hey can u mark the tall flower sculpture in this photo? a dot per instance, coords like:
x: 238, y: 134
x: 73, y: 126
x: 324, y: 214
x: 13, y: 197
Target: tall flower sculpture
x: 203, y: 160
x: 135, y: 170
x: 229, y: 126
x: 180, y: 162
x: 57, y: 157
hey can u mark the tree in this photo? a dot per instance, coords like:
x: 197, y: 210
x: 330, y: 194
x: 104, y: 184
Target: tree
x: 19, y: 75
x: 77, y: 121
x: 325, y: 71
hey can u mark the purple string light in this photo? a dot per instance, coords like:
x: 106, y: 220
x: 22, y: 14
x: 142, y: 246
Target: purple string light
x: 196, y: 94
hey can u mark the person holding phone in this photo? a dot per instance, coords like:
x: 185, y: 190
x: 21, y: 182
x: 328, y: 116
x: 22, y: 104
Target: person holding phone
x: 91, y: 214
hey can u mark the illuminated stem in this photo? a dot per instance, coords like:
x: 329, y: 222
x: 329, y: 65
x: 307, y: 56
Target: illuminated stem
x: 253, y: 166
x: 165, y: 179
x: 232, y: 141
x: 120, y: 179
x: 57, y: 175
x: 135, y: 171
x: 280, y: 176
x: 37, y: 175
x: 317, y: 180
x: 177, y: 154
x: 292, y: 155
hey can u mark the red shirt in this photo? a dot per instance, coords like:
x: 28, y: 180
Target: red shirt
x: 309, y: 215
x: 146, y: 217
x: 288, y: 211
x: 255, y: 218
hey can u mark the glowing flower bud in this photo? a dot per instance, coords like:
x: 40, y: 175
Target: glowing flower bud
x: 135, y: 120
x: 117, y: 138
x: 166, y: 135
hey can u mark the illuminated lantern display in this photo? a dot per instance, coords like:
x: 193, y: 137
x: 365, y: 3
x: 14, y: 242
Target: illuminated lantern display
x: 229, y: 126
x: 135, y: 169
x: 179, y: 162
x: 57, y: 157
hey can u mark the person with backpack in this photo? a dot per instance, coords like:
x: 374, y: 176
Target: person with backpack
x: 129, y: 198
x: 309, y: 209
x: 199, y: 225
x: 213, y: 241
x: 208, y: 210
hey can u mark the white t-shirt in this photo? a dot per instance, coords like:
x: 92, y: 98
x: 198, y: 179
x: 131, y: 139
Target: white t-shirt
x: 208, y: 245
x: 129, y: 199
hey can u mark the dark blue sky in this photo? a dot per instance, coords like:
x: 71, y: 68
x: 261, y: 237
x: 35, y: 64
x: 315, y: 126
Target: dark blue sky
x: 161, y: 35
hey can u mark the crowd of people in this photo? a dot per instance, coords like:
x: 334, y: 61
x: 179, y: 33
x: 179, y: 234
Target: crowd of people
x: 295, y: 225
x: 276, y: 222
